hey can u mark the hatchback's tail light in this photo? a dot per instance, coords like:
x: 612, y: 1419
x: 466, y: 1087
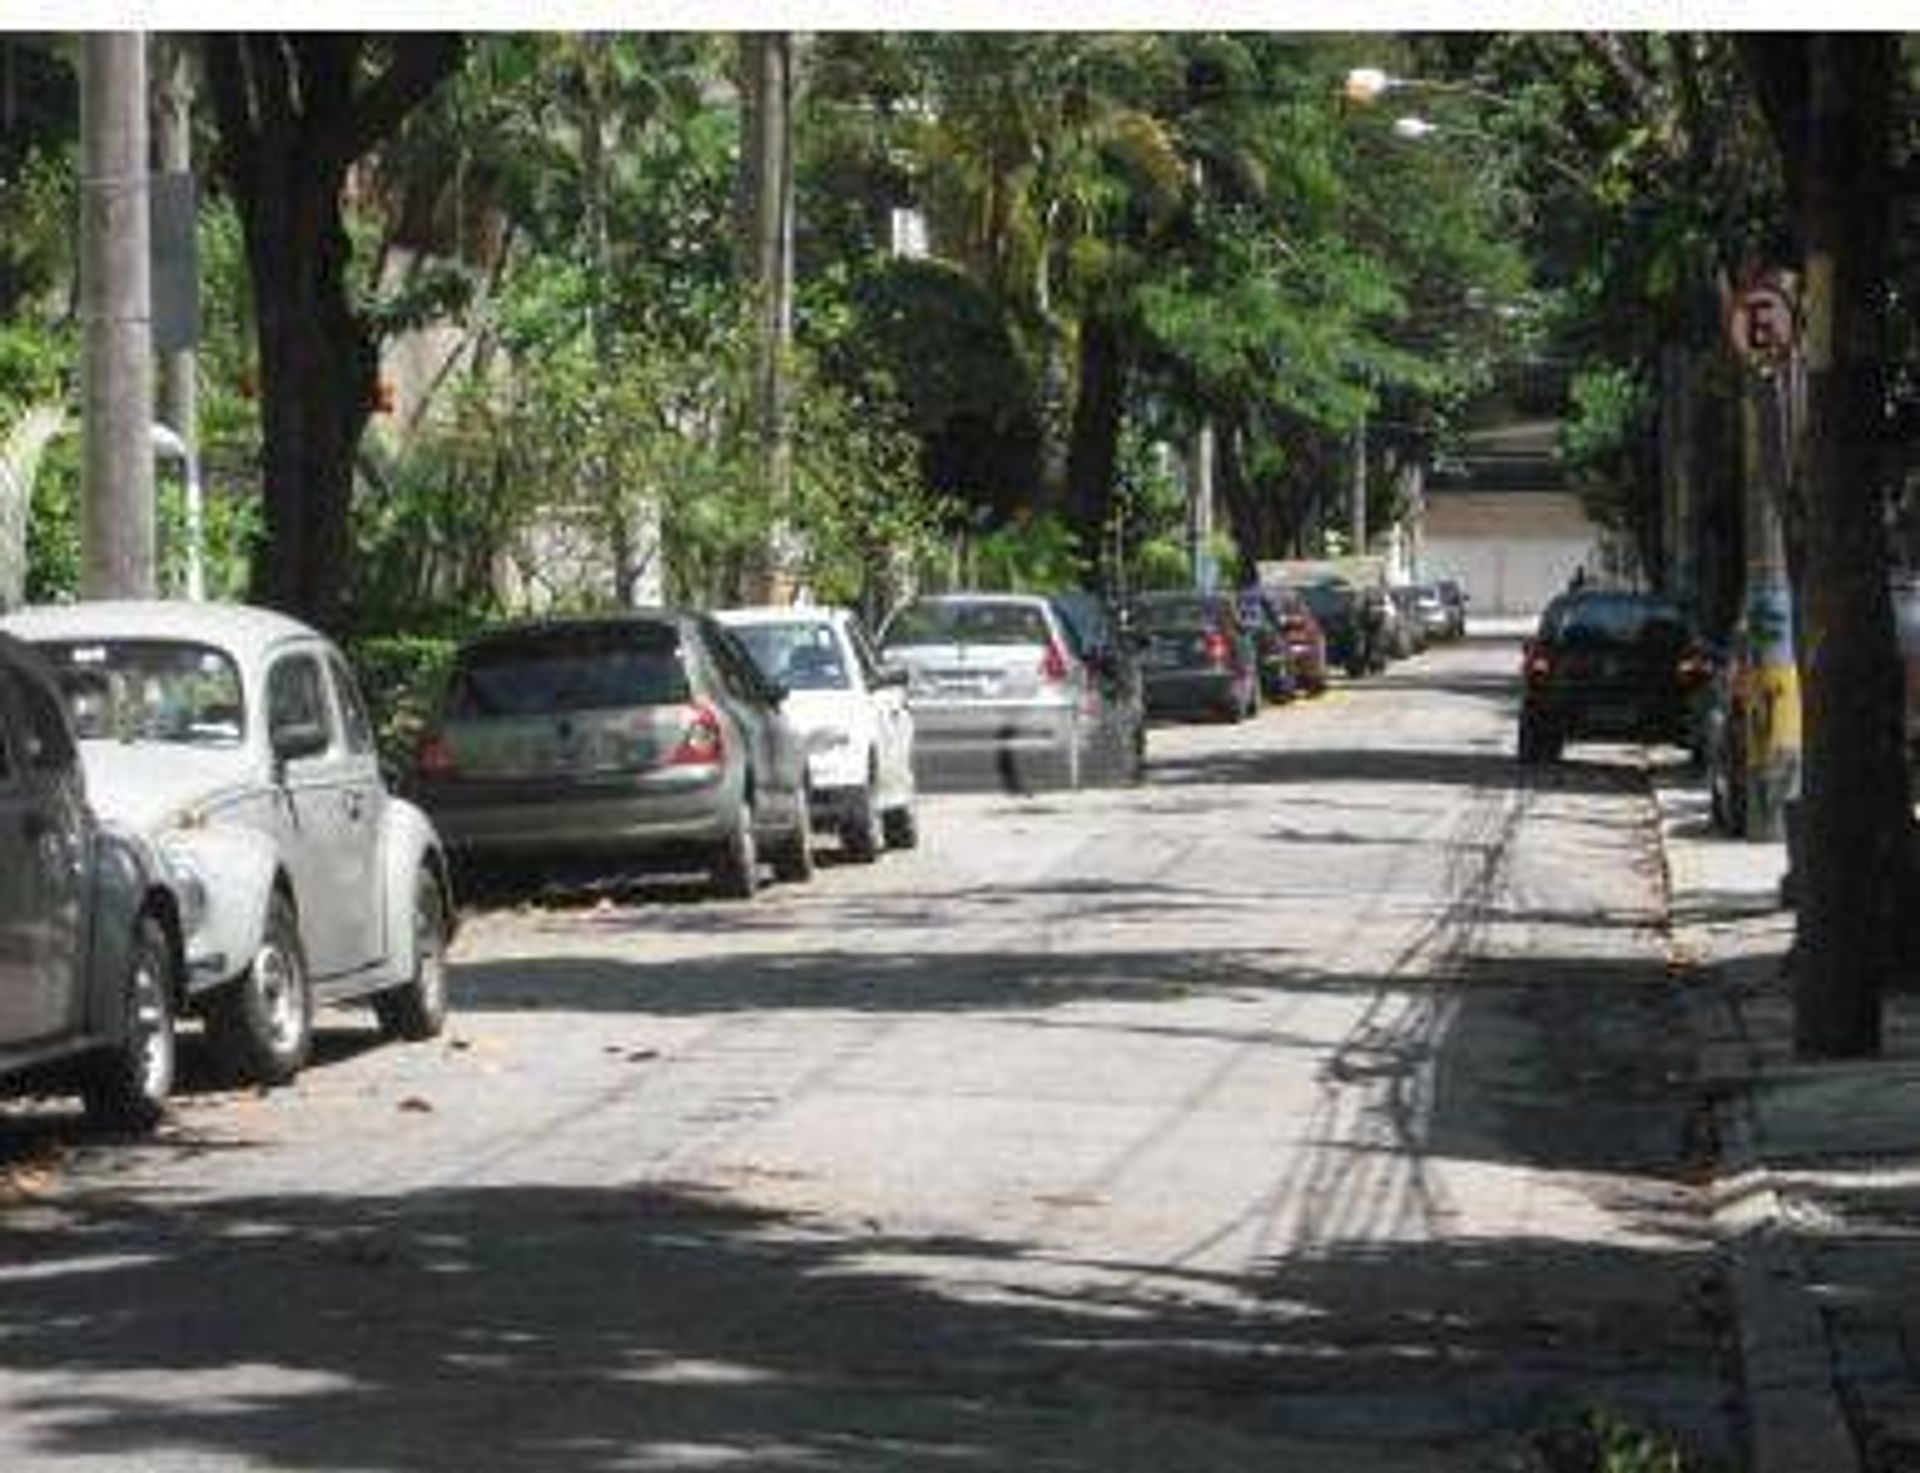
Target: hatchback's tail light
x: 703, y: 743
x: 433, y: 755
x: 1537, y: 664
x: 1216, y: 649
x: 1694, y: 669
x: 1053, y: 664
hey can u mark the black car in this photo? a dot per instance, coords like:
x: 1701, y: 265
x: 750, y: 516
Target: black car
x: 1611, y: 666
x: 90, y: 918
x: 1454, y: 599
x: 1196, y: 655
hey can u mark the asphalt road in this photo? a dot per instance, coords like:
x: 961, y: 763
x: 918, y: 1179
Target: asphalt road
x: 1321, y: 1104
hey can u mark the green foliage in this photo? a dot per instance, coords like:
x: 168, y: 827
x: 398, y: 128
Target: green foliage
x: 53, y: 526
x: 1029, y: 553
x: 401, y: 676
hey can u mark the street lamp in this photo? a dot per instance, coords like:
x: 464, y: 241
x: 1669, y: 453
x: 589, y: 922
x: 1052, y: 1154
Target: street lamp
x: 1416, y: 129
x: 1366, y: 85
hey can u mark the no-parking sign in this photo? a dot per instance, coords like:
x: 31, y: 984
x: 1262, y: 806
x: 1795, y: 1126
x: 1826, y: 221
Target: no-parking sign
x: 1764, y: 320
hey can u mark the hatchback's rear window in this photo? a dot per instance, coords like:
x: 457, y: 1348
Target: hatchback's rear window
x: 1623, y: 619
x: 1174, y: 613
x: 946, y: 621
x: 540, y: 671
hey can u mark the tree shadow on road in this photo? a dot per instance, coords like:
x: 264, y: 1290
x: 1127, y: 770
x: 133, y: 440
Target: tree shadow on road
x: 657, y: 1326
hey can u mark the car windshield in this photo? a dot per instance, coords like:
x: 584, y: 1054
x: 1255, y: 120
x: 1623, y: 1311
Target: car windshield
x: 541, y: 672
x: 950, y: 621
x: 802, y: 655
x: 150, y: 690
x: 1615, y: 619
x: 1174, y: 613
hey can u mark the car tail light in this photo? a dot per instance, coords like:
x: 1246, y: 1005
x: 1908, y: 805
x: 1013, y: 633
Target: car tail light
x: 1053, y: 664
x: 433, y: 755
x: 1694, y: 669
x: 1538, y: 664
x: 1215, y: 648
x: 704, y: 741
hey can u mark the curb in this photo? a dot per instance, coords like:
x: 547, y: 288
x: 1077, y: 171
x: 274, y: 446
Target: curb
x: 1795, y: 1420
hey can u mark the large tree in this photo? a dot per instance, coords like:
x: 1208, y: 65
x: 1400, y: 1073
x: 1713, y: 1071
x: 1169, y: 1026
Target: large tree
x: 295, y: 113
x: 1830, y: 102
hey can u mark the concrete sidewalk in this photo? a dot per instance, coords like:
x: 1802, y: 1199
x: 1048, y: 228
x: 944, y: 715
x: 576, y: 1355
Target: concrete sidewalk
x: 1817, y: 1196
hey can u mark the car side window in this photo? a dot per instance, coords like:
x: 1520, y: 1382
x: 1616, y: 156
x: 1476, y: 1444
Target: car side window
x: 45, y: 745
x: 353, y: 711
x: 734, y: 667
x: 296, y: 695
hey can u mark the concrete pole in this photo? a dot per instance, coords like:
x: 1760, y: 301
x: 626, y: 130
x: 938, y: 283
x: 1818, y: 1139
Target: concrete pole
x: 116, y: 370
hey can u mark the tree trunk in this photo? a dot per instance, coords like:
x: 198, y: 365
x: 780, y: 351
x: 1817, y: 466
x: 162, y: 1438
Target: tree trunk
x: 1249, y: 512
x: 1094, y: 449
x: 318, y: 374
x: 1828, y: 99
x: 295, y: 111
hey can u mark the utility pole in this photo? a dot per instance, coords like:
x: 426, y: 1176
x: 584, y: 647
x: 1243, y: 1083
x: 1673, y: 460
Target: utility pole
x: 1763, y: 327
x: 1357, y: 510
x: 116, y: 371
x: 1200, y: 510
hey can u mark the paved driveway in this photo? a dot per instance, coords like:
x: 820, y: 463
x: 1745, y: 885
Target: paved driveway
x: 1319, y: 1105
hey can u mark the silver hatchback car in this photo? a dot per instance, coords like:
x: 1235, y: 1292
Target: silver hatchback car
x: 647, y: 736
x: 1004, y: 683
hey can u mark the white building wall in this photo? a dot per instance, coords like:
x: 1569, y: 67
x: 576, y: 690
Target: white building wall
x: 1511, y: 550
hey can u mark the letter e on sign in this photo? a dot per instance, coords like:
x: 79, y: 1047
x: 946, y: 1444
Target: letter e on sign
x: 1764, y: 323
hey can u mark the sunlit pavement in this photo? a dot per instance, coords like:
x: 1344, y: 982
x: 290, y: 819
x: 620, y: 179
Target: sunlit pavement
x: 1321, y: 1104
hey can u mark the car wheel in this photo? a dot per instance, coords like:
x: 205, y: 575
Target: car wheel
x: 793, y: 860
x: 126, y: 1088
x: 417, y: 1009
x: 861, y: 834
x: 902, y: 826
x: 1537, y: 744
x: 261, y: 1027
x: 736, y: 867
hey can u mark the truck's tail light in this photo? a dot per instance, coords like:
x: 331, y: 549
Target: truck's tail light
x: 1216, y: 649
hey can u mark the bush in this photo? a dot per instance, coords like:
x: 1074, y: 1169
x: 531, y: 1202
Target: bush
x: 401, y: 676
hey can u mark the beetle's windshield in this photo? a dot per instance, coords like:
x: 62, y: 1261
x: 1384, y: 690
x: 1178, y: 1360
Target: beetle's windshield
x: 150, y: 690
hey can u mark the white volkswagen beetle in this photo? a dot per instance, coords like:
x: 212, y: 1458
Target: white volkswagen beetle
x: 235, y: 740
x: 851, y: 712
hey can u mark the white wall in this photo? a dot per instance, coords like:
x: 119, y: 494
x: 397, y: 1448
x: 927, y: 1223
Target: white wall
x: 1511, y: 550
